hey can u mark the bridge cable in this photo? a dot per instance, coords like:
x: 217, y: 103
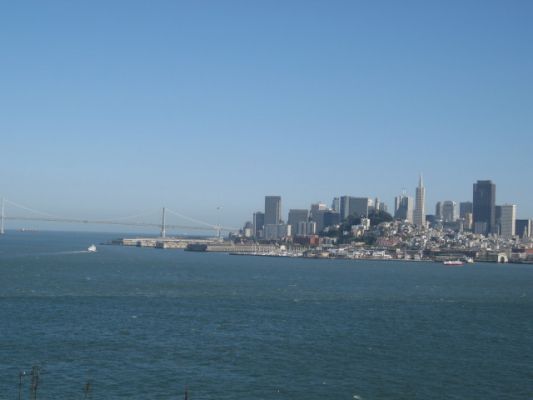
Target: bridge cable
x: 191, y: 219
x: 32, y: 210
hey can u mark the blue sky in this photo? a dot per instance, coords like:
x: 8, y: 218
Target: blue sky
x: 110, y: 108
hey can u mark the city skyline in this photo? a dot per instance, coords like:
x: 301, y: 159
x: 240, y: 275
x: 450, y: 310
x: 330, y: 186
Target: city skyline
x: 196, y: 107
x: 274, y: 203
x: 405, y: 205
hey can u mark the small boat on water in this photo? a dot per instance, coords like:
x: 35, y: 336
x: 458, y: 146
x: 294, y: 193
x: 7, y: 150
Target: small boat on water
x: 91, y: 248
x: 454, y: 263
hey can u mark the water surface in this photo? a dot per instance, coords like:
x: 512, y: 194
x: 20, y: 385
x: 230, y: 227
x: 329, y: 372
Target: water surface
x: 144, y: 323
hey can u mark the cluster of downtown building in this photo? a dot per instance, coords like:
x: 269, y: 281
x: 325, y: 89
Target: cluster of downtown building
x: 305, y: 223
x: 479, y: 216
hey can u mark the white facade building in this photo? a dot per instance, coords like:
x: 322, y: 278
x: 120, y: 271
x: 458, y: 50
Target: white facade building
x: 507, y: 220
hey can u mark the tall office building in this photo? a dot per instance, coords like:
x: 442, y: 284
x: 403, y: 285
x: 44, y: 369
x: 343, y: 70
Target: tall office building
x: 325, y: 218
x: 419, y: 215
x: 465, y: 207
x: 295, y: 217
x: 258, y: 222
x: 484, y: 208
x: 404, y: 208
x: 315, y: 208
x: 523, y: 228
x: 336, y: 204
x: 344, y: 207
x: 307, y: 228
x: 507, y: 220
x: 357, y: 206
x: 468, y: 221
x: 277, y: 231
x: 248, y: 229
x: 449, y: 211
x: 272, y: 210
x: 438, y: 210
x: 377, y: 204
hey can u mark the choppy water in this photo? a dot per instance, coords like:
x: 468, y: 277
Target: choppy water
x: 144, y: 323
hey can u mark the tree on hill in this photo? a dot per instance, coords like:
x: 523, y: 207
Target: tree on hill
x: 379, y: 216
x: 376, y: 218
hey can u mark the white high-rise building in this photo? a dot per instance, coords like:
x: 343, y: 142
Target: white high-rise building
x: 419, y: 216
x: 449, y: 211
x: 507, y: 220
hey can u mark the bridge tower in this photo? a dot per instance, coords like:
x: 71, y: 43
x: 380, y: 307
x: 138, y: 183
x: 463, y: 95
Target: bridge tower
x: 163, y: 227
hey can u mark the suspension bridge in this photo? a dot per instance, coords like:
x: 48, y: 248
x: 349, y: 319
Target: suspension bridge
x: 137, y: 220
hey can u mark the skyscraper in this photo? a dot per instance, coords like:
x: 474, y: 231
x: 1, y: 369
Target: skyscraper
x: 295, y: 217
x: 315, y: 208
x: 259, y: 222
x: 344, y: 207
x: 325, y: 218
x: 464, y: 208
x: 507, y: 220
x: 484, y: 209
x: 403, y: 208
x: 336, y: 204
x: 438, y: 210
x: 357, y: 206
x: 419, y: 216
x: 377, y: 204
x: 523, y: 228
x: 272, y: 210
x: 449, y: 211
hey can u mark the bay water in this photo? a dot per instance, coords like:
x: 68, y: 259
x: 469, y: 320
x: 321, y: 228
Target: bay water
x: 142, y: 323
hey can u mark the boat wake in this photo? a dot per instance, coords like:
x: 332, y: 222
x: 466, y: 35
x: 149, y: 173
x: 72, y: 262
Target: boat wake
x: 60, y: 253
x: 51, y: 253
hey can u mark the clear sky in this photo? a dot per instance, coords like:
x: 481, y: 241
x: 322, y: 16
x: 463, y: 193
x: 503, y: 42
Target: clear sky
x: 108, y: 108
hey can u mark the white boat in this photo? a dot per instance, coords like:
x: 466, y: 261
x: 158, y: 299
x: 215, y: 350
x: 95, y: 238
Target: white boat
x: 91, y: 248
x: 453, y: 263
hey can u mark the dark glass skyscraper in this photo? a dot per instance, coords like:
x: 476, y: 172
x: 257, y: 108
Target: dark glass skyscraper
x: 484, y: 208
x: 272, y: 210
x: 464, y: 208
x: 259, y: 223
